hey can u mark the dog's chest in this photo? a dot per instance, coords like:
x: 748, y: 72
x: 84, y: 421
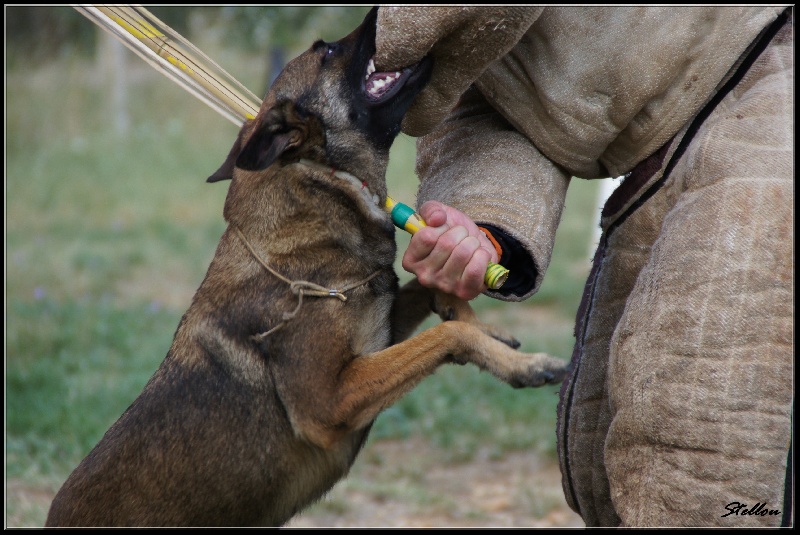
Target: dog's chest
x: 373, y: 330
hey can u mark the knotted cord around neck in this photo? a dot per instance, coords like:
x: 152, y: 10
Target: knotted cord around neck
x: 300, y: 288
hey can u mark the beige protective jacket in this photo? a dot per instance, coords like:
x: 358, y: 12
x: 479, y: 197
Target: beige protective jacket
x: 681, y: 396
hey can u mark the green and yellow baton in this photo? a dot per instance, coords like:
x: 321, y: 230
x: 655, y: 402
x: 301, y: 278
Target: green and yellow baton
x: 404, y: 217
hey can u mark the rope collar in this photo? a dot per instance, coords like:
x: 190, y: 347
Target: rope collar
x: 300, y: 288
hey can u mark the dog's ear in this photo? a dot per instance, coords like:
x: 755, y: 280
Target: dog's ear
x: 281, y: 129
x: 225, y: 172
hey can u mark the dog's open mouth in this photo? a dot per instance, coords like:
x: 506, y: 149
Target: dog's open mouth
x: 382, y: 86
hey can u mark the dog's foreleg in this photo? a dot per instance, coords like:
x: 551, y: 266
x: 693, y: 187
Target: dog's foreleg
x: 373, y: 382
x: 450, y: 307
x: 414, y: 303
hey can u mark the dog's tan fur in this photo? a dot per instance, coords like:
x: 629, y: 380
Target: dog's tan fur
x: 241, y: 428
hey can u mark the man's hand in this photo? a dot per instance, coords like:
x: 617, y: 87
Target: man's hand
x: 450, y: 254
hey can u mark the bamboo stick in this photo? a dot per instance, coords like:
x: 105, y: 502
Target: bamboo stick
x: 177, y: 58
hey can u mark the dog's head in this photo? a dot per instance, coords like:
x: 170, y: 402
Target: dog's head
x: 330, y: 106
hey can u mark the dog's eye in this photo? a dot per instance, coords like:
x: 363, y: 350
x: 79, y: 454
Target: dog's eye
x: 327, y: 49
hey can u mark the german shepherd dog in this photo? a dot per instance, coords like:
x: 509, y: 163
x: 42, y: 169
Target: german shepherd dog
x: 297, y: 337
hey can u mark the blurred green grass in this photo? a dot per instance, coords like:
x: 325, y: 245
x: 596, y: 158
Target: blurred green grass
x: 108, y: 234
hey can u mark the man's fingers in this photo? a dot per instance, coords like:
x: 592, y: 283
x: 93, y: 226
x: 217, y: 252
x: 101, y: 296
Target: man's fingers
x: 422, y: 244
x: 435, y: 214
x: 428, y: 268
x: 447, y: 244
x: 465, y: 268
x: 472, y: 279
x: 459, y: 258
x: 451, y: 253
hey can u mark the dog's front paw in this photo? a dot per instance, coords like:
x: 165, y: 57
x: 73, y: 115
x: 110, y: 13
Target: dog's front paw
x: 538, y: 369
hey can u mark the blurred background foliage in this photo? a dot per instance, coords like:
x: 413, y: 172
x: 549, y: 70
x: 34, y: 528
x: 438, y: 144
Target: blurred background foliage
x: 110, y: 227
x: 39, y: 34
x: 47, y: 32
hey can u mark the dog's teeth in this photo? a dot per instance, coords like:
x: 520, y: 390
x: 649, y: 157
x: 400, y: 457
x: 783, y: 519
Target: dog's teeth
x: 380, y: 83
